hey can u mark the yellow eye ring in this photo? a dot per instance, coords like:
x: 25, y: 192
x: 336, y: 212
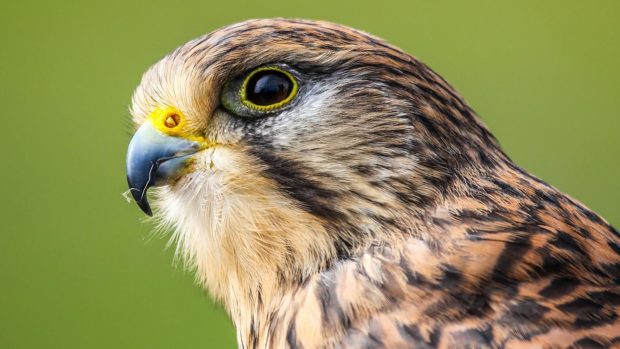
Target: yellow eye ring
x: 275, y: 91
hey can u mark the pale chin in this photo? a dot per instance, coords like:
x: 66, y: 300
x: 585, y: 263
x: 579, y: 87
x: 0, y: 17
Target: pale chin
x: 205, y: 204
x: 198, y: 189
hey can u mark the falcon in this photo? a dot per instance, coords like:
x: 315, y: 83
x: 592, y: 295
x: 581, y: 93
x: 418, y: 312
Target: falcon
x: 332, y: 191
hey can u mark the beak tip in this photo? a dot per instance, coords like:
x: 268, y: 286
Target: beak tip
x: 144, y: 206
x: 141, y: 199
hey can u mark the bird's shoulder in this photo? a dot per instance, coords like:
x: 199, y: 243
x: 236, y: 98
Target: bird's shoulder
x: 520, y: 266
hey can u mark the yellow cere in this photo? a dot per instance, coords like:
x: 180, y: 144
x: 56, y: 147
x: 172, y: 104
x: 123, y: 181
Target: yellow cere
x: 172, y: 122
x: 243, y: 91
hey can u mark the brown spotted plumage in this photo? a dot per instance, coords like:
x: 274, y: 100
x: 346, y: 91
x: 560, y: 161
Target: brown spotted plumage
x: 373, y: 210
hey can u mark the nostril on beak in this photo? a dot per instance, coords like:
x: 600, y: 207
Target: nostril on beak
x: 172, y: 121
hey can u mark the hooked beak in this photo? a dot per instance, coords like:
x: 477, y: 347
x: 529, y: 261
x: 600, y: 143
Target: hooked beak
x: 155, y: 159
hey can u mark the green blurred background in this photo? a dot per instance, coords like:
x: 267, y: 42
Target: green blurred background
x: 79, y: 268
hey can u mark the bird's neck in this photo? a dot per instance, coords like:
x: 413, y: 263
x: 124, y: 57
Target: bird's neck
x: 474, y: 234
x: 256, y: 262
x: 259, y: 282
x: 263, y: 248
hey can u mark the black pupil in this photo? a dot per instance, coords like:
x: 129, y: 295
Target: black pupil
x: 268, y: 87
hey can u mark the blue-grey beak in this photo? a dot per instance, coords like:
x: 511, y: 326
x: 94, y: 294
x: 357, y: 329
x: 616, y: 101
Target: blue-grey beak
x: 155, y: 159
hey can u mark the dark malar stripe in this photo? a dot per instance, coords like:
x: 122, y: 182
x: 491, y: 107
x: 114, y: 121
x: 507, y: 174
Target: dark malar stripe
x: 292, y: 177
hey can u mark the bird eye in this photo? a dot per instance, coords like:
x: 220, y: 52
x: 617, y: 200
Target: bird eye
x: 268, y: 88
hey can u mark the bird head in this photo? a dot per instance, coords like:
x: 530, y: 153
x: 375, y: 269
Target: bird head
x: 293, y: 142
